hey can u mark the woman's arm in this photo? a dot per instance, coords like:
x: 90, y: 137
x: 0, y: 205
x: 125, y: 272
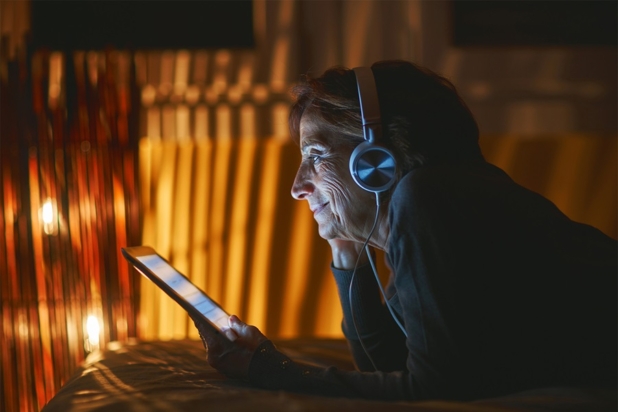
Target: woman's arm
x: 366, y: 316
x: 271, y: 369
x: 421, y: 252
x: 364, y: 313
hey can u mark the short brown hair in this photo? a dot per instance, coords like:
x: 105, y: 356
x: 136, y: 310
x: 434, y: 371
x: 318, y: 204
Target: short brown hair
x: 423, y: 118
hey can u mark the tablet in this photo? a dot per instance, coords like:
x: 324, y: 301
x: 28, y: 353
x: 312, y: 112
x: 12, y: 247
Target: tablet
x: 177, y: 286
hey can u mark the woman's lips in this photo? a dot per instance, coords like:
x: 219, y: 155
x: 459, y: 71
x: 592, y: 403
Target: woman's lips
x: 318, y: 209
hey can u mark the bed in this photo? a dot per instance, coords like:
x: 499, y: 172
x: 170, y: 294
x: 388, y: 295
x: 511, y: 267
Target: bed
x: 174, y: 376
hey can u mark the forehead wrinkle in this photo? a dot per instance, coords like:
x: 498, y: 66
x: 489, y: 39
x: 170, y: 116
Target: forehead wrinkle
x: 312, y: 131
x: 312, y: 137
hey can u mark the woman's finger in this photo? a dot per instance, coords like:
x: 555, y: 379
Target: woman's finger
x: 249, y: 335
x: 230, y: 334
x: 241, y: 328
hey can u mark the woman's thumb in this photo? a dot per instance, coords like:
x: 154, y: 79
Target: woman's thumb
x: 236, y: 324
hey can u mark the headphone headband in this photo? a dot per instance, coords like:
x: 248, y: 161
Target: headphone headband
x: 372, y: 166
x: 369, y: 104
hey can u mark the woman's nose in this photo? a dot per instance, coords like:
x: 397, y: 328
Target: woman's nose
x: 302, y: 186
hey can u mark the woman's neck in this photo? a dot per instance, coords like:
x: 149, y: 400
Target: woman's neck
x: 380, y: 236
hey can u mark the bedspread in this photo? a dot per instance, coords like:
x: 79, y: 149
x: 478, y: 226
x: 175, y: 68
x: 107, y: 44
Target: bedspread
x: 174, y: 376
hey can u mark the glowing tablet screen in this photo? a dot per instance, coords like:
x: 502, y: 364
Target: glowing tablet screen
x: 187, y: 290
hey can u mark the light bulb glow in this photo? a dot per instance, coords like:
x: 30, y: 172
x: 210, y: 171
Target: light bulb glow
x: 93, y: 330
x: 48, y: 213
x: 92, y: 326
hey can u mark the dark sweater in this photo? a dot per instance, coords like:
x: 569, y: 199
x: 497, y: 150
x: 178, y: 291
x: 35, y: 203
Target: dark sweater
x: 497, y: 289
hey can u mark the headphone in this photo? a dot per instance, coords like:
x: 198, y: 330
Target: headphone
x: 372, y: 166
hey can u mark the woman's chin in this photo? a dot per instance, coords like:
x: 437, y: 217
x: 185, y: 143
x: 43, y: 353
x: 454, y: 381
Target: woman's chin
x: 327, y: 232
x: 326, y: 235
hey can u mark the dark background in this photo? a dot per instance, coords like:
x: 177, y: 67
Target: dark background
x: 534, y: 23
x: 82, y: 25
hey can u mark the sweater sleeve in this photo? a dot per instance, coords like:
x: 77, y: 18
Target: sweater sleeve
x: 425, y: 250
x: 364, y: 314
x: 271, y: 369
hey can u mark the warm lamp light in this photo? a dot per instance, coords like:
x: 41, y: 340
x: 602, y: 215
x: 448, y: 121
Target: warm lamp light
x: 49, y: 216
x: 91, y: 343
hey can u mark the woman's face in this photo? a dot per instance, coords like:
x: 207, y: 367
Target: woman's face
x: 342, y: 209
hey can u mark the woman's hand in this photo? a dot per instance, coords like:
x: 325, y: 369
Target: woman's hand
x: 345, y: 253
x: 231, y: 356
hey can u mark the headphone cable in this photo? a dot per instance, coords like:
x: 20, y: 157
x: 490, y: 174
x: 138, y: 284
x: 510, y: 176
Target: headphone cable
x: 366, y: 249
x: 390, y: 308
x: 375, y: 272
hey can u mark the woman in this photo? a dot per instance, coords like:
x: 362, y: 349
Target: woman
x: 496, y: 290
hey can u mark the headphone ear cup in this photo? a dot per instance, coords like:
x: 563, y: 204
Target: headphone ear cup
x: 372, y: 167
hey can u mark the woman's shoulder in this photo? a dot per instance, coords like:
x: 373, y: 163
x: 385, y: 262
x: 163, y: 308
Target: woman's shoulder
x: 444, y: 178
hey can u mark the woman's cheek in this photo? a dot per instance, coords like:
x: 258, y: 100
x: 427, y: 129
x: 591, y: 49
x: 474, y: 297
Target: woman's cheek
x: 340, y: 197
x: 333, y: 171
